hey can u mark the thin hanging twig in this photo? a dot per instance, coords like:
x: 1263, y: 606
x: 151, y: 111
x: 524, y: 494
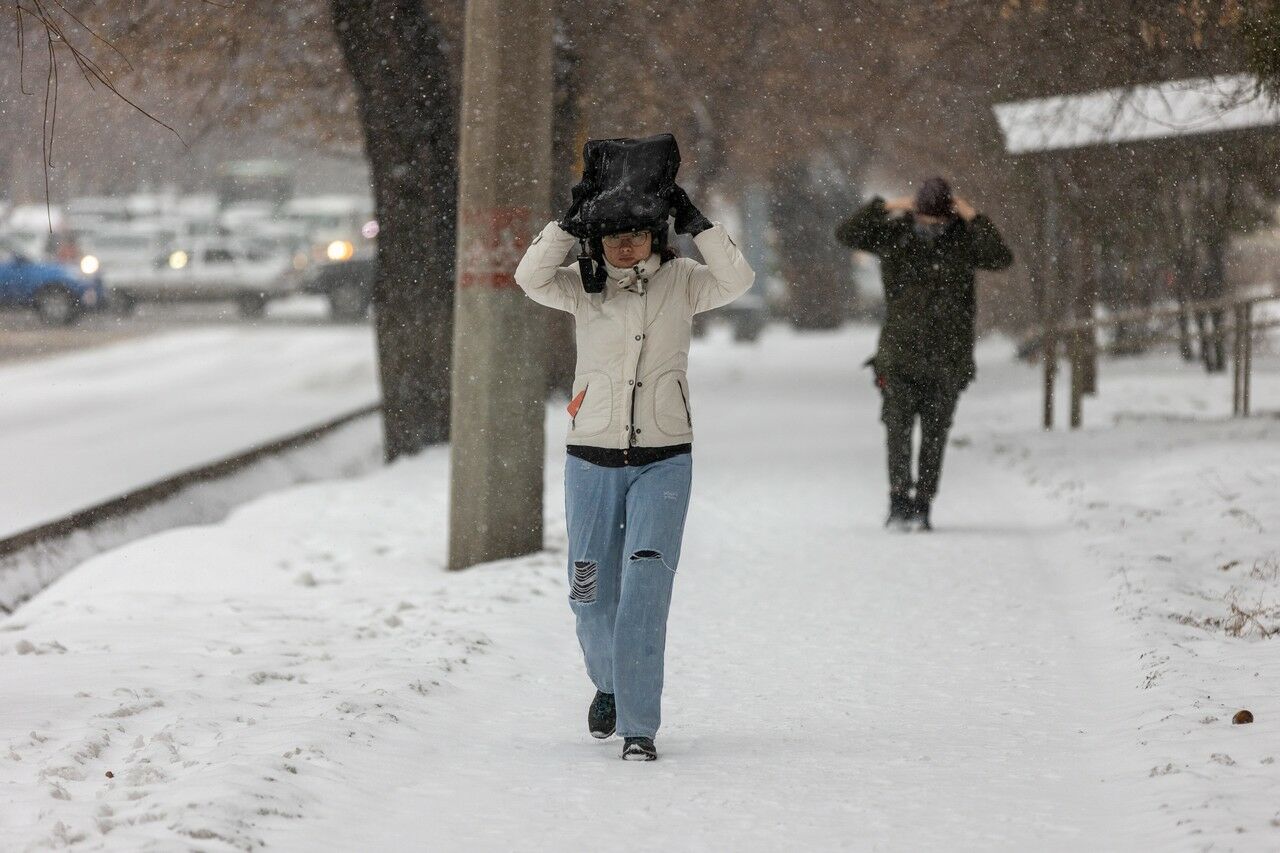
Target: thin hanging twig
x: 95, y: 75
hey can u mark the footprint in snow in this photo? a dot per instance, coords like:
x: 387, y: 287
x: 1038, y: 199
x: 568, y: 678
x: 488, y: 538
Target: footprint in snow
x: 26, y: 647
x: 263, y: 677
x: 133, y: 710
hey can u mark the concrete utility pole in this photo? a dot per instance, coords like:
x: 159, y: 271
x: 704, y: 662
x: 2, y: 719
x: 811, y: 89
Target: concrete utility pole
x: 498, y: 413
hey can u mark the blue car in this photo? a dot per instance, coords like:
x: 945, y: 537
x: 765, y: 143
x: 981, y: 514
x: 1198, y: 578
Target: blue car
x: 59, y: 293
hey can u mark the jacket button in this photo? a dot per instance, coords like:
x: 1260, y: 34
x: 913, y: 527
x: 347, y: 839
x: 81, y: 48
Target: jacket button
x: 631, y: 382
x: 639, y: 384
x: 638, y: 431
x: 638, y: 337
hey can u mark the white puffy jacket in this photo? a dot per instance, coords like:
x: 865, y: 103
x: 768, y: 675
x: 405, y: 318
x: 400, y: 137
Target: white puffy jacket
x: 630, y: 387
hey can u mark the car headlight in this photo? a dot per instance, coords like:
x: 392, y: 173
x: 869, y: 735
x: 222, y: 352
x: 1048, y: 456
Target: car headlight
x: 178, y: 260
x: 340, y: 250
x: 89, y: 265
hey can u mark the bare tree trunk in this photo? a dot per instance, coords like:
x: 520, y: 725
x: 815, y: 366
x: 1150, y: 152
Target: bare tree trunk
x: 816, y: 267
x: 405, y: 79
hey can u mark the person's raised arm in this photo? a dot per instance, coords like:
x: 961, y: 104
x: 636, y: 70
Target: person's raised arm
x: 540, y: 274
x: 987, y: 249
x: 725, y: 275
x: 870, y: 229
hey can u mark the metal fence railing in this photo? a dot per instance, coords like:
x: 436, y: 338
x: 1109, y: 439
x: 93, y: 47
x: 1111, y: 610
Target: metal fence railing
x: 1079, y: 340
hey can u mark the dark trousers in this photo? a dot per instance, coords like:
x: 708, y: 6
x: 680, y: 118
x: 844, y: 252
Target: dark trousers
x: 933, y: 402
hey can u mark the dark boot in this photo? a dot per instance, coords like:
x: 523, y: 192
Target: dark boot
x: 920, y: 513
x: 602, y: 716
x: 639, y: 749
x: 900, y: 512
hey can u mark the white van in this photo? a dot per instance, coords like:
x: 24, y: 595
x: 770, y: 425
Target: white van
x: 211, y: 270
x: 129, y: 249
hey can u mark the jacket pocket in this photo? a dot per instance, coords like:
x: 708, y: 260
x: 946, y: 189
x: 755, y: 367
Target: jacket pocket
x: 671, y: 410
x: 591, y: 409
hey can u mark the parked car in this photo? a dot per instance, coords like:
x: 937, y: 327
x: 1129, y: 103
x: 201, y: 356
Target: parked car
x: 59, y: 293
x: 347, y: 284
x: 338, y: 228
x: 206, y: 271
x: 747, y: 315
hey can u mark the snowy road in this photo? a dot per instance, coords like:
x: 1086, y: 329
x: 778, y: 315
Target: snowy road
x: 1013, y: 681
x: 80, y: 428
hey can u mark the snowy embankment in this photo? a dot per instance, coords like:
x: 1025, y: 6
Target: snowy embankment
x: 1054, y: 668
x: 84, y: 428
x: 351, y: 450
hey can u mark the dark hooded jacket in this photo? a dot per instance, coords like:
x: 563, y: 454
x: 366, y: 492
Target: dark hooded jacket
x: 928, y: 330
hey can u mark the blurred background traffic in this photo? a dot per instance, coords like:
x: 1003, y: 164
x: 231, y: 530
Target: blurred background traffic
x: 249, y: 240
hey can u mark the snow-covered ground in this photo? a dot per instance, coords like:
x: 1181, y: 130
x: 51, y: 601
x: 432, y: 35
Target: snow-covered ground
x: 81, y: 428
x: 350, y: 450
x: 1054, y: 668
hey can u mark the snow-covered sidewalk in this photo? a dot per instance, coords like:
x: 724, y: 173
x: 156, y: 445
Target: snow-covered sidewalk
x: 306, y: 676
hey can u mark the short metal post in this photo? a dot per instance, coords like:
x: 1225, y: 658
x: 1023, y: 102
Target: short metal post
x: 1237, y: 358
x: 1077, y: 355
x: 1049, y: 346
x: 1090, y: 360
x: 1247, y: 311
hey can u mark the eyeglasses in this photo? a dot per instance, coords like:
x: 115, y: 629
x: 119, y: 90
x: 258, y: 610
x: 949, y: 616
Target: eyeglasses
x: 617, y: 241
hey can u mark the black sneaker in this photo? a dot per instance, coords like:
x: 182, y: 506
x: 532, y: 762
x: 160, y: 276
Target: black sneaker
x: 920, y: 514
x: 901, y: 511
x: 602, y: 716
x: 639, y: 749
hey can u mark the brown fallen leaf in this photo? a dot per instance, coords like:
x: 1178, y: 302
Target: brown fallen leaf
x: 1242, y: 717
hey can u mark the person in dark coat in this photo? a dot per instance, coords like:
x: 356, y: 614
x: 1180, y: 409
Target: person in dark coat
x: 929, y: 247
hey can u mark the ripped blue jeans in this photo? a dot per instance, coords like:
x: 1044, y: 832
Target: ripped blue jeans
x: 625, y: 527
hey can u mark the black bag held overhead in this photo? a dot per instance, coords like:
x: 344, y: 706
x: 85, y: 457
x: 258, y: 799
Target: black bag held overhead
x: 624, y: 186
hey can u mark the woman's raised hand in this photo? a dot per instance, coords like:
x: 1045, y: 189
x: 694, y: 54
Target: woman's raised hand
x: 569, y: 222
x: 689, y: 220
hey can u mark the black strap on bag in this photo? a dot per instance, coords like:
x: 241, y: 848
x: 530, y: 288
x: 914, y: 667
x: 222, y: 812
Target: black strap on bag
x: 593, y: 272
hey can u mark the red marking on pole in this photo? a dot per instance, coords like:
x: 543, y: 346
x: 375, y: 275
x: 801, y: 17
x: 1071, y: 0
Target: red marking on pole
x: 493, y: 242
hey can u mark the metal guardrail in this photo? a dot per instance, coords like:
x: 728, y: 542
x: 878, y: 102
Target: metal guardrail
x: 1078, y: 339
x: 153, y: 493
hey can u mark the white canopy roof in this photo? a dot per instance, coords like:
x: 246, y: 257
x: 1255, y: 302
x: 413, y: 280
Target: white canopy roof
x: 1131, y: 114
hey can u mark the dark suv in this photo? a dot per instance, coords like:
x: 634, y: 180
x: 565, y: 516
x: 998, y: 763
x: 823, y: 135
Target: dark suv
x: 347, y: 284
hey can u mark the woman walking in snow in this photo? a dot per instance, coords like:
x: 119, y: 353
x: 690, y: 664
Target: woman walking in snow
x: 629, y: 466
